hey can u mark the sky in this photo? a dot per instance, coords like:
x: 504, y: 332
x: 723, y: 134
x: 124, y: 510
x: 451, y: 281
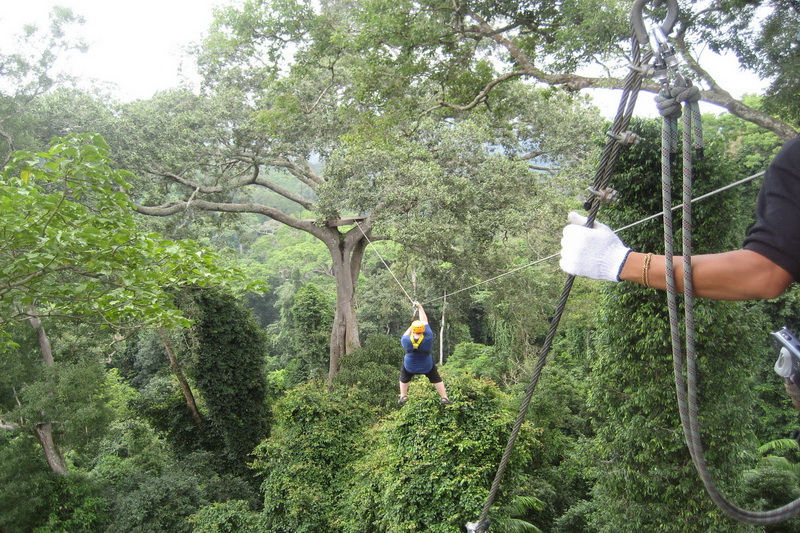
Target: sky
x: 138, y: 47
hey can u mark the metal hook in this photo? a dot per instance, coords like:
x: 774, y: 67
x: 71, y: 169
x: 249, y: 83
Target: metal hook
x: 637, y: 19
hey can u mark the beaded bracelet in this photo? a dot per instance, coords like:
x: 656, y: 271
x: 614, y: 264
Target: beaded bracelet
x: 646, y: 269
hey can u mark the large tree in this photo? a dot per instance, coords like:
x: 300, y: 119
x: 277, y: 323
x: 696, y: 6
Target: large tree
x: 358, y: 99
x: 335, y: 165
x: 556, y: 44
x: 448, y: 172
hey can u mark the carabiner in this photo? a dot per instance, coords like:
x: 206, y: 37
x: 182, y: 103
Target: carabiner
x: 637, y: 19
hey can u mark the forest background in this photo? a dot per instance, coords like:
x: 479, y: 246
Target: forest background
x: 203, y: 291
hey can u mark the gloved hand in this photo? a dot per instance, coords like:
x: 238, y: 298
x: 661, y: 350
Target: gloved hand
x: 595, y: 252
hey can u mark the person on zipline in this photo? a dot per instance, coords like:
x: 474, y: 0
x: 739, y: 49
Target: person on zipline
x: 767, y: 264
x: 417, y: 341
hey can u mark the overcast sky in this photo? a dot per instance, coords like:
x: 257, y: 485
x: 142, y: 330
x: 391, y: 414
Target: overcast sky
x: 138, y: 46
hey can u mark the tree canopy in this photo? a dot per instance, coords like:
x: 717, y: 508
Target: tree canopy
x: 451, y: 138
x: 72, y: 247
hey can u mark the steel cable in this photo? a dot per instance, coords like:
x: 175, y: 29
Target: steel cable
x: 602, y: 176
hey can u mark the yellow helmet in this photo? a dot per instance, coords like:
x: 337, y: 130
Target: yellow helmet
x: 418, y: 326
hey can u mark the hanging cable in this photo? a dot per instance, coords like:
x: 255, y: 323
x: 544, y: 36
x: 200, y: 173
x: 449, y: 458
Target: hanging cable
x: 617, y: 136
x: 686, y: 388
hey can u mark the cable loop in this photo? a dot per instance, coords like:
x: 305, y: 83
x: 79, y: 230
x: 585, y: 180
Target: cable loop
x: 689, y: 93
x: 637, y: 19
x: 685, y: 360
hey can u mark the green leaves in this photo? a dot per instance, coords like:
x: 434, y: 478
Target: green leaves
x: 306, y: 460
x: 229, y: 371
x: 70, y: 244
x: 430, y: 467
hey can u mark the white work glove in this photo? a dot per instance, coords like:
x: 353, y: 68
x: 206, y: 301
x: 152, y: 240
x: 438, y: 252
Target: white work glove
x: 595, y: 252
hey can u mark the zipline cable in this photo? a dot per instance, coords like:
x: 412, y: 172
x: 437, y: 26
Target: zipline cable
x: 617, y: 136
x: 618, y: 230
x: 410, y: 299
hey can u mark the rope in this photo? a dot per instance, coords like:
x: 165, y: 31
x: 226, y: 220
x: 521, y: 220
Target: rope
x: 686, y: 388
x: 618, y: 230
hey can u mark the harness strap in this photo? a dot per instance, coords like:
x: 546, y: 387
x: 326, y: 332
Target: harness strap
x: 416, y: 343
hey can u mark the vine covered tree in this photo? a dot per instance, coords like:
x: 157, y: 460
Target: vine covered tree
x: 229, y: 372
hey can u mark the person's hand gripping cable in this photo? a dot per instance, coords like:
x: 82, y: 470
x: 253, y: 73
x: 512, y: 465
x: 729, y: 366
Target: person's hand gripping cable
x: 594, y: 252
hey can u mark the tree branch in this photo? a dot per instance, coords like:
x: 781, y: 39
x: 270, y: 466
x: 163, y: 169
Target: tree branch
x: 253, y: 179
x: 172, y: 208
x: 304, y: 173
x: 719, y: 96
x: 574, y: 82
x: 484, y: 94
x: 299, y: 200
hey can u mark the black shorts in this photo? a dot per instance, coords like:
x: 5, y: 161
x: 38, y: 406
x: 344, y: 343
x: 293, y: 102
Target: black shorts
x: 432, y: 375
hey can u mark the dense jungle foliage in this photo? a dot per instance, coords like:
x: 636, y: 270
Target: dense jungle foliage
x: 202, y: 293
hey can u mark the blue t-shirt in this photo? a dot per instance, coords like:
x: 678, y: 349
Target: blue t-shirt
x: 418, y: 360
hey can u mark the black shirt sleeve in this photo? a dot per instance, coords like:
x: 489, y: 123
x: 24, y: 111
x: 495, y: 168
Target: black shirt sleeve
x: 776, y: 233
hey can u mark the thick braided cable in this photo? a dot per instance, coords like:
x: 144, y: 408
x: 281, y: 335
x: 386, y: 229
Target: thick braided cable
x: 608, y: 159
x: 686, y: 388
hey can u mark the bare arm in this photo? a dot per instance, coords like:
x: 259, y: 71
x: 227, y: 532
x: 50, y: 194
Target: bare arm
x: 736, y: 275
x: 422, y: 316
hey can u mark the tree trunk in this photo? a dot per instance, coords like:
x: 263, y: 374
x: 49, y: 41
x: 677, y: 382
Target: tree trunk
x: 347, y: 251
x: 44, y: 431
x: 184, y: 384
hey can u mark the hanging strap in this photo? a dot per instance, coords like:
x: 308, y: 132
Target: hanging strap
x: 417, y: 342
